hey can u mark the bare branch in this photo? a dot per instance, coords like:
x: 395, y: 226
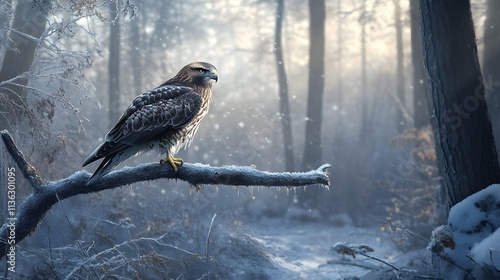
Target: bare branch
x: 45, y: 195
x: 27, y: 169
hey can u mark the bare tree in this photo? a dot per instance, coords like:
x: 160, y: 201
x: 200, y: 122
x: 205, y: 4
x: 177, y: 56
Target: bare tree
x: 114, y: 64
x: 421, y: 95
x: 283, y: 88
x: 366, y: 112
x: 162, y: 26
x: 465, y: 147
x: 39, y: 69
x: 312, y: 150
x: 491, y: 60
x: 400, y: 78
x: 135, y: 54
x: 28, y: 25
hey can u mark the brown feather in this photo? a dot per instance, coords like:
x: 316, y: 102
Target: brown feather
x: 165, y: 118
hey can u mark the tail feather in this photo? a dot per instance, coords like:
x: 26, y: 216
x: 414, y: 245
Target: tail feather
x: 106, y: 166
x: 111, y: 161
x: 95, y: 155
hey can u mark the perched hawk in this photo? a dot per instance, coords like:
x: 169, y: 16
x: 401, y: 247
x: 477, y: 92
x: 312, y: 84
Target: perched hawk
x: 165, y: 118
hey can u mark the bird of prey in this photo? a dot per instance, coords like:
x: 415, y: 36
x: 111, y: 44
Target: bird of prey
x: 165, y: 118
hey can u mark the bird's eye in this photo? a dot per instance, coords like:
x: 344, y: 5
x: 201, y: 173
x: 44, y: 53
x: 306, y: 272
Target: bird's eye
x: 201, y: 70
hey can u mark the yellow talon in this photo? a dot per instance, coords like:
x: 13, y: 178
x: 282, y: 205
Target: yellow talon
x: 174, y: 162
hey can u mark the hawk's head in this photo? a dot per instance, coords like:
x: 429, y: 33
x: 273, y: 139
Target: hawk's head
x: 198, y: 74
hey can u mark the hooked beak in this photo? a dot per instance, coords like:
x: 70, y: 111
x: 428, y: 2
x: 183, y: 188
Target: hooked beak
x: 213, y: 75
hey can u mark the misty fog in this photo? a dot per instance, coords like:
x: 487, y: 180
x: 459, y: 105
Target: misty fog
x: 385, y: 190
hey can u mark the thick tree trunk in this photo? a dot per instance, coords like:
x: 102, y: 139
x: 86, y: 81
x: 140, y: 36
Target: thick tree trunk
x: 465, y: 147
x: 283, y: 89
x: 421, y: 95
x: 312, y: 148
x: 312, y: 151
x: 114, y: 66
x: 401, y: 121
x: 29, y: 19
x: 491, y: 62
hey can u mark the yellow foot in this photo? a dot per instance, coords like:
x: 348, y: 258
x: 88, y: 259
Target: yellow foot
x: 174, y: 162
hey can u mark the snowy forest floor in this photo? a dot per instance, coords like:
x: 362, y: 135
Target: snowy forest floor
x: 277, y: 249
x: 167, y: 237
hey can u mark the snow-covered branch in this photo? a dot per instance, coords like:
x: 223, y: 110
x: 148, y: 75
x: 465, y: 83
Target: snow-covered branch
x: 28, y: 171
x: 46, y: 194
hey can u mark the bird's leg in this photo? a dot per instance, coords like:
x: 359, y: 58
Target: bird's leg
x: 173, y: 161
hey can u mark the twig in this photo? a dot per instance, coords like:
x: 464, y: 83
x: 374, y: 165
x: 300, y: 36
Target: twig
x: 380, y: 260
x: 43, y: 259
x: 89, y: 262
x: 76, y: 236
x: 352, y: 263
x: 51, y: 265
x: 208, y: 239
x: 352, y: 250
x: 492, y: 261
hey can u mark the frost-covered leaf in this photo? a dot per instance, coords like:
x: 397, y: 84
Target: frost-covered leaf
x: 442, y: 237
x: 352, y: 250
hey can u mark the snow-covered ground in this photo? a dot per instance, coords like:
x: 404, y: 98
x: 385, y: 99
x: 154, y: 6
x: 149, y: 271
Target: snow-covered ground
x: 280, y: 249
x: 298, y: 245
x: 295, y: 246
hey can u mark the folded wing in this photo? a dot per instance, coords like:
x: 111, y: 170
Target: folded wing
x: 154, y: 113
